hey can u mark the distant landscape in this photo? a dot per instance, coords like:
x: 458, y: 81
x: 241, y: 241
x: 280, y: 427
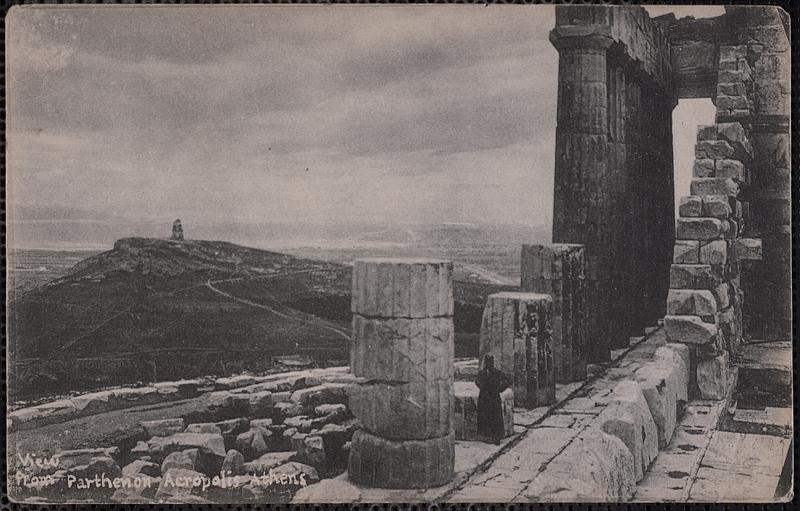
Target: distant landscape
x: 151, y: 309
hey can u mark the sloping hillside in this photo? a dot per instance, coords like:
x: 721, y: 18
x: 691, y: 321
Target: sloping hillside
x: 153, y: 309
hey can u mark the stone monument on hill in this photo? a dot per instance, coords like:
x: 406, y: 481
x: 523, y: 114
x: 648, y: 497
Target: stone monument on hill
x: 177, y: 230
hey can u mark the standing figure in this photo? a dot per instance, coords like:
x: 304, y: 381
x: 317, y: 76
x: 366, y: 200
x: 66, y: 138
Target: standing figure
x: 491, y: 383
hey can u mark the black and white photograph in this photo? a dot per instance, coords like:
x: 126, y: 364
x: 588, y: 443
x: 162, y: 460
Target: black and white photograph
x: 284, y: 253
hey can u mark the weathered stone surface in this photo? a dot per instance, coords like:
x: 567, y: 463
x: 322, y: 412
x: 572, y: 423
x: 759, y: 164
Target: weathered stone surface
x: 96, y: 466
x: 689, y: 330
x: 721, y: 295
x: 707, y: 132
x: 733, y: 169
x: 693, y: 276
x: 286, y: 409
x: 714, y: 186
x: 252, y: 443
x: 180, y: 459
x: 559, y: 270
x: 327, y: 393
x: 328, y: 490
x: 306, y: 474
x: 402, y: 288
x: 690, y: 205
x: 734, y: 134
x: 203, y: 427
x: 209, y: 444
x: 267, y: 461
x: 406, y: 411
x: 164, y: 427
x: 686, y: 252
x: 713, y: 149
x: 664, y: 383
x: 716, y: 206
x: 74, y: 457
x: 465, y: 415
x: 628, y: 418
x: 703, y: 168
x: 314, y: 451
x: 714, y: 252
x: 233, y: 382
x: 141, y: 467
x: 178, y: 484
x: 699, y: 229
x: 713, y: 376
x: 233, y: 464
x: 691, y: 302
x: 748, y: 249
x: 260, y: 404
x: 377, y: 462
x: 516, y: 331
x: 402, y: 349
x: 595, y: 465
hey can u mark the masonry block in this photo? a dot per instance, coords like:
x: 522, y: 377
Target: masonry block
x: 713, y: 149
x: 707, y: 132
x: 716, y: 206
x: 714, y: 252
x: 733, y: 169
x: 748, y: 249
x: 691, y: 302
x: 713, y: 376
x: 714, y: 186
x: 693, y: 276
x: 721, y: 295
x: 664, y: 383
x: 704, y: 168
x: 690, y: 206
x: 686, y: 252
x: 699, y: 229
x: 628, y: 418
x: 689, y: 330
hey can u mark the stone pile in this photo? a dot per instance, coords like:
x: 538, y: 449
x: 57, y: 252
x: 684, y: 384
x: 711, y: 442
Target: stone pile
x: 559, y: 270
x: 516, y: 331
x: 403, y: 352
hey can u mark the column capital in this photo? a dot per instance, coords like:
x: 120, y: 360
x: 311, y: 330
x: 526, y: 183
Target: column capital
x: 596, y: 37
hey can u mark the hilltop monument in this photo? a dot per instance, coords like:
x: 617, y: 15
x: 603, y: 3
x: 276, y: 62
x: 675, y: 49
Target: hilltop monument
x: 177, y: 230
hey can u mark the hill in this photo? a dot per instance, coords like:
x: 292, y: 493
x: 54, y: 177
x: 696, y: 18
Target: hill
x: 154, y: 309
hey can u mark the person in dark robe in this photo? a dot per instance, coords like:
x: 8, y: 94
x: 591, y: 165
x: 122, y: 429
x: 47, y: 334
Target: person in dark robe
x: 491, y: 382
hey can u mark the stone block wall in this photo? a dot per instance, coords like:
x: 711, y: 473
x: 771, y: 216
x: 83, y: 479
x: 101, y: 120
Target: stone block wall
x: 704, y: 304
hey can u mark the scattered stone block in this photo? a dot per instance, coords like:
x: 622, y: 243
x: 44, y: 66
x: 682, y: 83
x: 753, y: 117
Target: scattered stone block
x: 141, y: 467
x: 233, y: 464
x: 306, y: 474
x: 178, y: 485
x: 267, y: 461
x: 164, y: 427
x: 252, y: 443
x: 689, y: 330
x: 180, y: 459
x: 713, y: 376
x: 203, y: 427
x: 690, y: 205
x: 328, y: 490
x: 233, y: 382
x: 327, y: 393
x: 260, y: 404
x: 96, y: 466
x: 628, y: 418
x: 314, y: 451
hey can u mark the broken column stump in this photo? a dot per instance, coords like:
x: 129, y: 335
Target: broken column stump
x: 516, y: 331
x: 402, y: 351
x: 559, y: 270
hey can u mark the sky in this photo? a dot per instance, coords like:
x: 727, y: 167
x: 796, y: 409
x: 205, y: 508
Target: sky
x: 283, y: 113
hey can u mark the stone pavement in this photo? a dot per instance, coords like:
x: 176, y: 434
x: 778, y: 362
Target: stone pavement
x: 707, y: 459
